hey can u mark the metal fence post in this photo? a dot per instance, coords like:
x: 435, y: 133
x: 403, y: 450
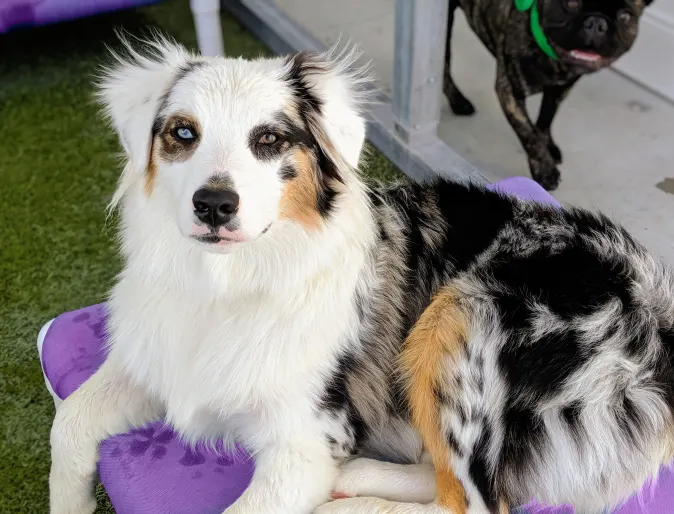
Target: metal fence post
x: 420, y: 33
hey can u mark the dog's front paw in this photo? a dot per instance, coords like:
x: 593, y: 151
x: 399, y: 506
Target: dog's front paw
x: 85, y: 507
x: 355, y: 506
x: 545, y: 172
x: 352, y: 476
x: 72, y: 473
x: 459, y: 104
x: 64, y: 500
x: 555, y: 152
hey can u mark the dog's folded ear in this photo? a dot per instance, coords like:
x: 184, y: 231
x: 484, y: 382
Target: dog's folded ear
x: 131, y: 89
x: 648, y: 2
x: 330, y: 91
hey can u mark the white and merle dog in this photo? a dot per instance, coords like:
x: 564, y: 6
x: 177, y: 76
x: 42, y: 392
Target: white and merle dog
x: 490, y: 350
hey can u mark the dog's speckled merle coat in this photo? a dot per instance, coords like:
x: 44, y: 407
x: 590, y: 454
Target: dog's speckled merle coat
x: 564, y: 387
x: 602, y: 29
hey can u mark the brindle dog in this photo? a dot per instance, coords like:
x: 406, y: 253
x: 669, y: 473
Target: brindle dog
x: 587, y: 35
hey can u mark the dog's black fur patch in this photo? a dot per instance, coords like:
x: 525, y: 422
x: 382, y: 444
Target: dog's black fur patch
x: 309, y: 105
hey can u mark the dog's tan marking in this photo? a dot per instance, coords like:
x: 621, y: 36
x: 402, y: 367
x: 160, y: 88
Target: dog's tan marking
x: 449, y: 490
x: 299, y: 200
x: 151, y: 171
x: 439, y: 337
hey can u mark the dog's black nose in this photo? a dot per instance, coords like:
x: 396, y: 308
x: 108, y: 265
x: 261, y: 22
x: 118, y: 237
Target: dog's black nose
x: 215, y: 207
x: 595, y: 28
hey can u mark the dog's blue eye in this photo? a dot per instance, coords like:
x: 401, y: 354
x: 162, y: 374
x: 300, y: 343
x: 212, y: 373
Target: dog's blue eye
x: 184, y: 133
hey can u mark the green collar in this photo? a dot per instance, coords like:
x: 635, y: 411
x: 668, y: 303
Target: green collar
x: 536, y: 30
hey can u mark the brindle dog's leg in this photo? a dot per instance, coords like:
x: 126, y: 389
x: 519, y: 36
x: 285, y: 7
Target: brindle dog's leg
x: 512, y: 98
x: 460, y: 105
x: 552, y: 98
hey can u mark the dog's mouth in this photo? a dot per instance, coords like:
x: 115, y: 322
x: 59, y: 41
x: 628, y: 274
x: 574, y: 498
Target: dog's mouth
x: 214, y: 238
x: 585, y: 58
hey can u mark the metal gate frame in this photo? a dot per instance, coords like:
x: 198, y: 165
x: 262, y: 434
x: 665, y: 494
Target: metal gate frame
x: 403, y: 128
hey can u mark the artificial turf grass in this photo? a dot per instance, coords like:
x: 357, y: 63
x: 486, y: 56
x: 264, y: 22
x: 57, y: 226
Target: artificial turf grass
x: 58, y: 169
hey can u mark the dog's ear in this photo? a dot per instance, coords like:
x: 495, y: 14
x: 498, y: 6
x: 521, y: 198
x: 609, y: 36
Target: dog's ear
x: 131, y: 90
x: 330, y: 91
x: 647, y: 3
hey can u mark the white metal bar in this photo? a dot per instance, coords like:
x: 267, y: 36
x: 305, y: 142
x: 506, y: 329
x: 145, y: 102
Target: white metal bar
x: 420, y: 32
x: 207, y: 24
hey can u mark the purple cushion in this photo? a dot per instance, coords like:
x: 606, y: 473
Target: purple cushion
x: 523, y: 188
x: 150, y: 470
x: 23, y: 13
x: 147, y: 470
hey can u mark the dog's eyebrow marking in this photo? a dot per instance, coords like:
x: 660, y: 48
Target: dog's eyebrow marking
x: 293, y: 131
x: 184, y: 70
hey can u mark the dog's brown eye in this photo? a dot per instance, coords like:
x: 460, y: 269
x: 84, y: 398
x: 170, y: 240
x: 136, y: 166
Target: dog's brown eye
x: 268, y: 139
x: 573, y: 5
x: 624, y: 16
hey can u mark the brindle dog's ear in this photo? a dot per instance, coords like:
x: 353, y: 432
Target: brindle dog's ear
x: 647, y: 3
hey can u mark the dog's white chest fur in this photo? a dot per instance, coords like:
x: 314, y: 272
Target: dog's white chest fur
x: 222, y: 363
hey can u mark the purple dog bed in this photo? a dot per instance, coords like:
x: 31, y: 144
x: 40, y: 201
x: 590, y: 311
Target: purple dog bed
x: 30, y: 13
x: 150, y: 470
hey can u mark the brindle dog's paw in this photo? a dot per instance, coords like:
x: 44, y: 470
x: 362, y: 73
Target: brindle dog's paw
x: 555, y: 152
x: 460, y: 105
x: 545, y: 172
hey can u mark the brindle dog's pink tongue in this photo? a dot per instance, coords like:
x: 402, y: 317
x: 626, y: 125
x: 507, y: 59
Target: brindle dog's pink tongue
x: 585, y: 56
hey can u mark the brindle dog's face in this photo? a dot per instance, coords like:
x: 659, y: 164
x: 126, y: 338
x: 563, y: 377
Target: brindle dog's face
x: 591, y: 33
